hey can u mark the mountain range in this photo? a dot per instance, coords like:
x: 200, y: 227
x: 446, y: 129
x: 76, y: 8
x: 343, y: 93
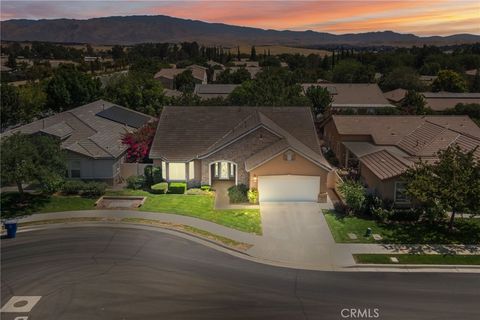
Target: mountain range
x: 140, y: 29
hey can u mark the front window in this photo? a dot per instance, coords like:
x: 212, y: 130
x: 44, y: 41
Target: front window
x: 401, y: 193
x: 191, y: 170
x: 176, y: 171
x: 75, y: 169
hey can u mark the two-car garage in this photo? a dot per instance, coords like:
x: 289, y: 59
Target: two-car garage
x: 288, y: 188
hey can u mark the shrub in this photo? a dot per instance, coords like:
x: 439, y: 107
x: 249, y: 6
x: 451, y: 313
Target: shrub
x: 148, y: 174
x: 160, y: 188
x: 238, y: 193
x: 252, y: 195
x: 206, y: 187
x: 382, y: 214
x: 50, y: 185
x: 197, y: 191
x: 73, y: 187
x: 157, y: 175
x: 340, y: 208
x: 135, y: 182
x: 177, y: 187
x: 94, y: 189
x: 354, y: 195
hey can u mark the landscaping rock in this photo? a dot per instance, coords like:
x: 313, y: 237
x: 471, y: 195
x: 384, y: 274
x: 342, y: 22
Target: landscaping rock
x: 377, y: 237
x: 352, y: 236
x: 394, y: 260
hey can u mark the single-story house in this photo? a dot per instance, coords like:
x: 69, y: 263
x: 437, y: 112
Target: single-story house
x: 167, y: 75
x: 428, y: 80
x: 274, y: 149
x: 395, y: 96
x: 382, y: 148
x: 472, y: 72
x: 246, y: 63
x: 367, y: 96
x: 91, y: 135
x: 210, y: 91
x: 439, y: 101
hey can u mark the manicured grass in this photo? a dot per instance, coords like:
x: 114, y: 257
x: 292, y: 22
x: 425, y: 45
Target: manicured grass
x: 13, y: 204
x: 467, y: 231
x: 418, y: 259
x: 198, y: 206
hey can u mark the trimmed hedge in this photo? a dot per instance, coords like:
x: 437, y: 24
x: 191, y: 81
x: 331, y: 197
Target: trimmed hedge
x: 160, y: 188
x: 238, y: 193
x: 72, y: 187
x: 177, y: 187
x: 206, y: 187
x: 94, y: 189
x: 252, y: 195
x: 135, y: 182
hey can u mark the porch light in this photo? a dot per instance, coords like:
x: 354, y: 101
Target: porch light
x: 255, y: 178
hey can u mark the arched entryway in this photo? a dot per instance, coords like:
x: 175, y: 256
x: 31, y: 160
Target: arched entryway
x: 223, y: 170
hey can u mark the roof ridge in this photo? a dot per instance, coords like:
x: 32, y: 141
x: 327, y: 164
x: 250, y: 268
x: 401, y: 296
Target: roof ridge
x: 81, y: 120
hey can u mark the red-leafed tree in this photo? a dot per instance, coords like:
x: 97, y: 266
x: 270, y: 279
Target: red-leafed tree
x: 139, y: 142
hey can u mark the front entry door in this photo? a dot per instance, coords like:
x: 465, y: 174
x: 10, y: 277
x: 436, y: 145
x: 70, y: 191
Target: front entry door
x: 224, y: 172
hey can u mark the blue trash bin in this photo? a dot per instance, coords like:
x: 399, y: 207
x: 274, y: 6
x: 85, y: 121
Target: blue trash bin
x: 11, y: 229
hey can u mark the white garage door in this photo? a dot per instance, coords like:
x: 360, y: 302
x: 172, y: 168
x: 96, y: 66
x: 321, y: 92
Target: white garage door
x: 288, y: 188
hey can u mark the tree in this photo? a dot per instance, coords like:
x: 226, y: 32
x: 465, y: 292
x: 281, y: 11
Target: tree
x: 351, y: 71
x: 11, y: 61
x: 354, y: 194
x: 402, y: 77
x: 450, y: 184
x: 235, y: 77
x: 139, y: 142
x: 448, y: 80
x: 320, y: 99
x: 475, y: 84
x: 185, y: 81
x: 70, y: 88
x: 9, y: 106
x: 253, y: 54
x: 413, y: 103
x: 30, y: 159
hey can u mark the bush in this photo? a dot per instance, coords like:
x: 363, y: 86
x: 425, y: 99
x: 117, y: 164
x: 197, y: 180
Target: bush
x: 157, y: 175
x: 252, y: 195
x: 160, y: 188
x: 51, y: 185
x: 197, y: 191
x: 238, y: 193
x: 71, y: 187
x: 135, y: 182
x: 177, y: 187
x: 206, y: 187
x: 148, y: 174
x: 94, y: 189
x: 354, y: 195
x: 382, y: 214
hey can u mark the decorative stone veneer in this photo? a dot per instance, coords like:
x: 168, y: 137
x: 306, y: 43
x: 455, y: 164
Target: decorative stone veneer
x: 238, y: 152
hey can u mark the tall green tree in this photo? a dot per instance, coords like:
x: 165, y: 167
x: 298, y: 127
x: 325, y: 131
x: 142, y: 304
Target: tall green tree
x: 475, y: 84
x: 449, y: 80
x: 185, y: 81
x: 320, y: 99
x: 253, y: 54
x: 352, y: 71
x: 9, y: 106
x: 31, y: 159
x: 413, y: 103
x: 451, y: 184
x: 402, y: 77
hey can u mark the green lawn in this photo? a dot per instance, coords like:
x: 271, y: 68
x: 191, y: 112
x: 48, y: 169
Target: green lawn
x: 12, y: 204
x: 467, y: 231
x: 198, y: 206
x: 418, y: 259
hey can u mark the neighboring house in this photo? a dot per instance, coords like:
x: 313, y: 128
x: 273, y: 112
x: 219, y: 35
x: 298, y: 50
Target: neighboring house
x: 367, y: 96
x: 210, y: 91
x: 215, y: 64
x: 91, y: 134
x: 172, y: 93
x: 439, y: 101
x: 472, y: 72
x: 383, y: 147
x: 395, y: 96
x: 252, y: 70
x: 246, y: 63
x: 274, y: 149
x: 428, y: 80
x: 167, y: 75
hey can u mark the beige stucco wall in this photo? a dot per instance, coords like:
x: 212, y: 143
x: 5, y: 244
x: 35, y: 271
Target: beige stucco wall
x: 299, y: 166
x: 383, y: 188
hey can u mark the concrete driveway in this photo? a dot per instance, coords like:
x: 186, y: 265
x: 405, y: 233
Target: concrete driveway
x: 295, y: 232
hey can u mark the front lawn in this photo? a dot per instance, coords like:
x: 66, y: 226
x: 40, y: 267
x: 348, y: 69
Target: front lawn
x: 198, y: 206
x: 467, y: 231
x: 418, y: 259
x: 13, y: 204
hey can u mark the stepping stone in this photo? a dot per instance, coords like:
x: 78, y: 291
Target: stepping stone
x: 377, y: 237
x: 394, y: 260
x: 352, y: 236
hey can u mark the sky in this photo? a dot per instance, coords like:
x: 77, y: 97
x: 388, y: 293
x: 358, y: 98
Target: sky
x: 421, y: 17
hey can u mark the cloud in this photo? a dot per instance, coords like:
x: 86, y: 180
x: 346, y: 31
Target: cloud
x: 440, y: 17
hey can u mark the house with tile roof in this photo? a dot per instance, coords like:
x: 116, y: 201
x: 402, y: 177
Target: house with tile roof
x: 167, y: 75
x: 273, y: 149
x: 91, y: 136
x: 211, y: 91
x: 382, y: 148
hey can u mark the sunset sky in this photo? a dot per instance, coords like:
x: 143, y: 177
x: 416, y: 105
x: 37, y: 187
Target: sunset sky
x: 434, y: 17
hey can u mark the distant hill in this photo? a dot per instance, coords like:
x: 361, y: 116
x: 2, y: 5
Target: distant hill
x: 138, y: 29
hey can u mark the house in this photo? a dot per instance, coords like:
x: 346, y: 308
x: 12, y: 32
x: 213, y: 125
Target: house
x: 428, y: 80
x: 246, y: 63
x: 91, y: 135
x: 472, y: 72
x: 382, y: 148
x: 167, y: 75
x: 367, y: 96
x: 440, y: 101
x: 274, y: 149
x: 215, y: 65
x: 210, y: 91
x: 395, y: 96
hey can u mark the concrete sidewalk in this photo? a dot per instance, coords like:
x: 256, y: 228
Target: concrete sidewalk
x: 295, y: 235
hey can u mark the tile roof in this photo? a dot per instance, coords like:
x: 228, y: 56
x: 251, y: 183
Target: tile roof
x: 439, y: 101
x: 264, y: 155
x: 384, y: 164
x: 186, y: 133
x: 198, y: 72
x: 83, y: 131
x: 396, y: 95
x: 208, y: 91
x: 354, y: 94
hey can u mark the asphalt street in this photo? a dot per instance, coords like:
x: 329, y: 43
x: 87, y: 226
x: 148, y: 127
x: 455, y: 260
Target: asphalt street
x: 118, y: 273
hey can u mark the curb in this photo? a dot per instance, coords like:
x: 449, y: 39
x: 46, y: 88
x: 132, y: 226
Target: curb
x: 416, y: 266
